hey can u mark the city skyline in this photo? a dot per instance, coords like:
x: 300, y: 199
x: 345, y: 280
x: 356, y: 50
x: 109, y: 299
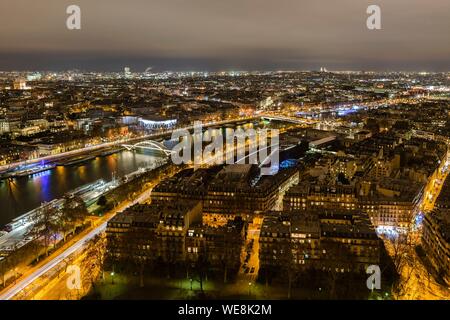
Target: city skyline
x: 224, y: 151
x: 213, y: 36
x: 357, y: 169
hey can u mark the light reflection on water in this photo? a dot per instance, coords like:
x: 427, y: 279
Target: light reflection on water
x: 27, y: 193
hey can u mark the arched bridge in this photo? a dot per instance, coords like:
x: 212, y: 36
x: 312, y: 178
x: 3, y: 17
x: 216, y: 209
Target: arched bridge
x: 149, y: 145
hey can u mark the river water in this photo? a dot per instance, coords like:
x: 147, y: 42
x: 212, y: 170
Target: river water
x: 26, y: 193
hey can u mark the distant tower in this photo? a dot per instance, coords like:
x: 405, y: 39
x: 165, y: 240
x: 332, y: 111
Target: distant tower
x: 127, y: 72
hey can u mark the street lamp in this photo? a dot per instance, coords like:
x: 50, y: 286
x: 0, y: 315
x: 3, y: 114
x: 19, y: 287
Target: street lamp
x: 112, y: 277
x: 249, y: 288
x: 191, y: 283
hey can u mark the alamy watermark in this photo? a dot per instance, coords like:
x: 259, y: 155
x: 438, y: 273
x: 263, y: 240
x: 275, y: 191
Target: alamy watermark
x: 374, y: 280
x: 73, y: 21
x: 241, y: 146
x: 74, y: 279
x: 373, y: 22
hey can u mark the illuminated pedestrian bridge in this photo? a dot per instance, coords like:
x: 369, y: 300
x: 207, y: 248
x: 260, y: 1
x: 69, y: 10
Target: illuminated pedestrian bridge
x: 149, y: 145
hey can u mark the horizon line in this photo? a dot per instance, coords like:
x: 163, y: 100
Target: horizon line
x: 223, y: 71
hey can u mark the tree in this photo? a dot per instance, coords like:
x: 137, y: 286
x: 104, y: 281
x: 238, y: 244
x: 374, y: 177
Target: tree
x: 94, y: 258
x: 402, y: 257
x: 289, y: 252
x: 75, y: 209
x: 338, y: 256
x: 140, y: 249
x: 200, y: 267
x: 342, y: 178
x: 45, y: 226
x: 102, y: 201
x: 74, y: 213
x: 4, y: 267
x: 286, y: 251
x: 230, y: 252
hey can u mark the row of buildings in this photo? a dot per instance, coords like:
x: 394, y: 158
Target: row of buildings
x: 204, y: 214
x: 174, y: 234
x: 198, y: 212
x: 226, y: 192
x: 327, y: 240
x: 436, y: 234
x: 319, y: 215
x: 388, y: 203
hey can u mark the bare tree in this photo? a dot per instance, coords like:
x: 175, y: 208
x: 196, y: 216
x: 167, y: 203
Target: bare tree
x: 73, y: 214
x: 230, y: 252
x: 201, y: 266
x: 402, y: 254
x: 45, y: 226
x: 4, y: 267
x: 93, y: 262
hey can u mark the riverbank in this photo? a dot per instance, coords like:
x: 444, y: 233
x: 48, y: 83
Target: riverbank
x: 34, y: 169
x: 117, y: 143
x: 25, y: 275
x: 21, y: 195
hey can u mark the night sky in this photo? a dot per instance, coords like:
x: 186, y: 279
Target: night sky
x: 225, y: 35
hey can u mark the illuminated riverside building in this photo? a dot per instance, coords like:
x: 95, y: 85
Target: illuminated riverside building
x: 148, y: 122
x: 156, y: 122
x: 226, y: 192
x: 220, y: 246
x: 327, y: 240
x: 187, y: 184
x: 306, y: 196
x: 388, y: 202
x: 152, y: 231
x: 173, y: 233
x: 240, y: 190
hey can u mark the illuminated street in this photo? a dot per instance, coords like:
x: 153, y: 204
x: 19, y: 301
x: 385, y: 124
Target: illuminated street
x: 70, y: 249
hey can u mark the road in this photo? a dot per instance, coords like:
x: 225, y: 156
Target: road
x: 42, y: 270
x: 248, y: 271
x: 57, y: 289
x: 280, y: 115
x: 17, y: 237
x: 116, y: 143
x: 417, y: 282
x: 433, y: 189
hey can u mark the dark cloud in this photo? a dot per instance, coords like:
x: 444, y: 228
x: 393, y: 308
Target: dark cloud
x: 228, y: 34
